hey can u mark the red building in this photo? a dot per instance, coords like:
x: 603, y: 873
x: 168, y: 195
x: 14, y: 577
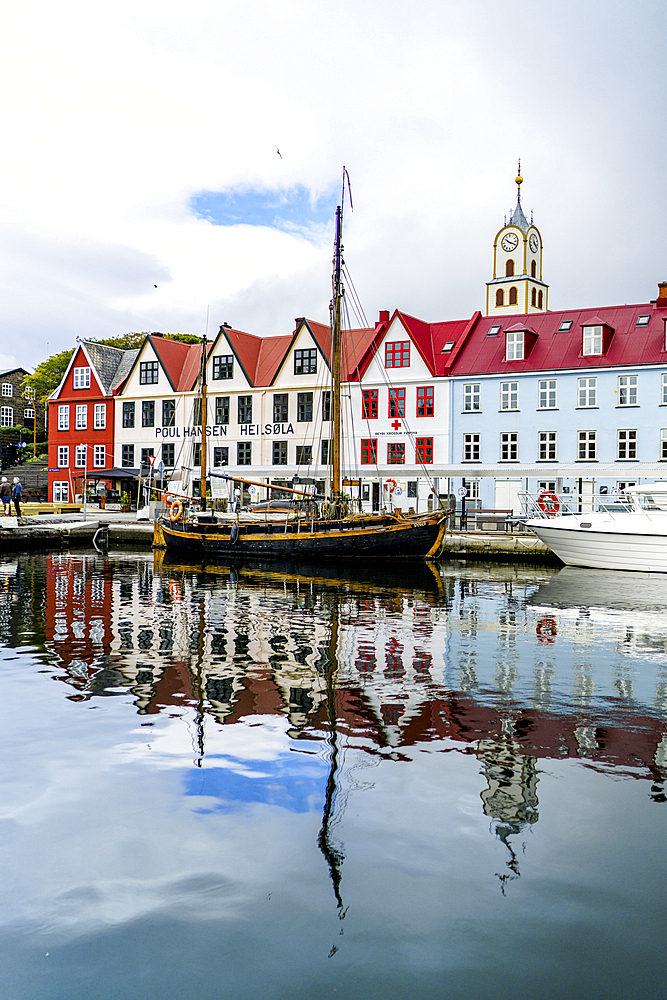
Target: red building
x: 81, y: 417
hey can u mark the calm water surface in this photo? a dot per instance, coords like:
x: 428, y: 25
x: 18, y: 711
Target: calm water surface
x: 230, y: 782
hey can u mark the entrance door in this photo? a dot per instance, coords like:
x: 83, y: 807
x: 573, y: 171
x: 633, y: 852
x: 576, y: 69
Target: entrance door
x: 376, y: 496
x: 507, y: 495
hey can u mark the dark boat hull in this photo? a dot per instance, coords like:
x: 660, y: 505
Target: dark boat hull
x: 402, y: 539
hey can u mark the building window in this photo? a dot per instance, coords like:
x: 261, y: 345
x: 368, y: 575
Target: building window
x: 148, y: 413
x: 396, y: 453
x: 81, y: 378
x: 128, y: 414
x: 471, y: 397
x: 514, y: 345
x: 223, y: 366
x: 7, y: 389
x: 99, y: 456
x: 663, y: 445
x: 196, y: 411
x: 514, y: 295
x: 509, y: 447
x: 325, y: 451
x: 540, y: 299
x: 148, y: 372
x: 533, y: 296
x: 509, y: 268
x: 196, y: 454
x: 280, y: 408
x: 472, y: 486
x: 397, y: 402
x: 369, y: 451
x: 587, y: 450
x: 148, y: 453
x: 533, y: 269
x: 500, y: 297
x: 547, y: 446
x: 369, y: 404
x: 80, y: 456
x: 280, y: 452
x: 326, y: 404
x: 627, y: 445
x: 627, y: 390
x: 81, y: 417
x: 6, y: 416
x: 425, y: 401
x: 245, y: 414
x: 100, y: 416
x: 63, y: 456
x: 222, y: 409
x: 304, y: 454
x: 61, y: 492
x: 592, y: 342
x: 63, y: 418
x: 546, y: 394
x: 28, y: 415
x: 244, y: 453
x: 509, y: 395
x: 397, y: 354
x: 220, y: 457
x: 305, y: 361
x: 168, y: 412
x: 587, y: 392
x: 127, y: 456
x: 304, y: 406
x: 471, y: 447
x: 424, y: 451
x: 168, y: 455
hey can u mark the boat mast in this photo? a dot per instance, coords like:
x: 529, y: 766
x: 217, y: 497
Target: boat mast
x: 204, y: 411
x: 336, y: 351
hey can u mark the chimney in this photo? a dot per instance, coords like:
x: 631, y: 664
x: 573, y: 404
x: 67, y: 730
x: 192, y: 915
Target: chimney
x: 227, y: 326
x: 384, y: 316
x: 661, y: 301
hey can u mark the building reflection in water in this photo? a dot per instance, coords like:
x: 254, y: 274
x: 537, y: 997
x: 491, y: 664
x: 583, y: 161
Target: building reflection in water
x: 495, y: 662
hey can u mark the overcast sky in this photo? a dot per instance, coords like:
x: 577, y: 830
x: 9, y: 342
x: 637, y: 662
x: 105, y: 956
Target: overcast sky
x: 139, y: 149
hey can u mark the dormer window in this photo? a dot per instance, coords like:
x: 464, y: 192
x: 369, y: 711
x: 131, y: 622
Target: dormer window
x: 592, y: 343
x: 642, y: 321
x: 514, y: 346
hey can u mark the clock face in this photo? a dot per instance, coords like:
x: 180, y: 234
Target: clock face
x: 534, y: 243
x: 509, y: 242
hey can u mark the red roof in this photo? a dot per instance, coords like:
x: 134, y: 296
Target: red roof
x: 630, y: 345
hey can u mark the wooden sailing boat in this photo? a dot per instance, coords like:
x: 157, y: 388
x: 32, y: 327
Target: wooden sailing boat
x: 324, y: 528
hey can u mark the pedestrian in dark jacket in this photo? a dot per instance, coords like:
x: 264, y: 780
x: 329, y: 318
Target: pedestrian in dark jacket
x: 6, y: 495
x: 17, y: 490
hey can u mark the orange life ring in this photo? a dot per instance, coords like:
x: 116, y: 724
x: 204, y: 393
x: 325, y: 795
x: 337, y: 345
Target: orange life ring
x: 546, y: 629
x: 391, y: 487
x: 548, y: 503
x: 176, y: 510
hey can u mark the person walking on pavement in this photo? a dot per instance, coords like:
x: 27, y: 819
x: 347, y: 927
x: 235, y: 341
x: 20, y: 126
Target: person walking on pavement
x: 6, y: 495
x: 17, y: 490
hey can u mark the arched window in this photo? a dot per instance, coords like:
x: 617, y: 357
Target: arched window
x: 533, y: 298
x: 539, y: 300
x: 509, y: 268
x: 500, y: 297
x: 513, y: 295
x: 533, y: 268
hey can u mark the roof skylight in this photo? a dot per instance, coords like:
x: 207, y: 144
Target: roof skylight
x: 642, y: 320
x: 565, y: 326
x: 449, y: 346
x: 494, y: 331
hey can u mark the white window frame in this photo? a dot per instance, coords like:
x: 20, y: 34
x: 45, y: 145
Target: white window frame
x: 100, y: 416
x: 81, y: 378
x: 99, y: 456
x: 626, y: 445
x: 6, y: 416
x: 61, y: 491
x: 81, y: 421
x: 471, y: 397
x: 587, y: 393
x: 63, y: 418
x: 587, y: 441
x: 80, y: 456
x: 509, y: 446
x: 63, y: 456
x: 547, y: 398
x: 591, y: 341
x: 546, y: 446
x: 472, y: 486
x: 628, y: 390
x: 471, y: 447
x: 663, y: 399
x: 509, y: 395
x: 7, y: 389
x: 514, y: 346
x: 663, y: 444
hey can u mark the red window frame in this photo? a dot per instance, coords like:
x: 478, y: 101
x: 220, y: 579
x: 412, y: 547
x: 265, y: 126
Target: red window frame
x: 369, y: 404
x: 424, y: 450
x: 397, y: 402
x: 425, y: 401
x: 396, y: 453
x: 397, y: 354
x: 369, y: 451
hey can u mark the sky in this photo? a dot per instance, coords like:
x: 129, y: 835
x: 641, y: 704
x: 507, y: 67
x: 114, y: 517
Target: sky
x: 172, y: 167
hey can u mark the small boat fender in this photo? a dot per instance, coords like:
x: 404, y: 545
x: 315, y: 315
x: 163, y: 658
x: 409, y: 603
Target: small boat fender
x: 234, y: 533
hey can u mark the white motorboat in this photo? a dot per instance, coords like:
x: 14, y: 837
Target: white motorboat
x: 627, y: 531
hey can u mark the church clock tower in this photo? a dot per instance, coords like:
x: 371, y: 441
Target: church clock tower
x: 517, y: 285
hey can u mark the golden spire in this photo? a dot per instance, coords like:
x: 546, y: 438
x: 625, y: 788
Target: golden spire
x: 519, y: 180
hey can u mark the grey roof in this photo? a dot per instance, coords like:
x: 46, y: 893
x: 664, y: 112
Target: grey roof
x: 518, y: 218
x: 112, y: 364
x: 126, y: 362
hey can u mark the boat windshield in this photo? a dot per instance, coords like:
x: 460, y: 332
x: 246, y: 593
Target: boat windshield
x: 650, y: 496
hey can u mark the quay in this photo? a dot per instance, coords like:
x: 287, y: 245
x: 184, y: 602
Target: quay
x: 66, y: 528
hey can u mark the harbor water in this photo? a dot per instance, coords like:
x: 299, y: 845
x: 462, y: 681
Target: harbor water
x: 319, y: 782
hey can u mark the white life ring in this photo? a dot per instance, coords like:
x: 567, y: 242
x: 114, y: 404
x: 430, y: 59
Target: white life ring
x: 548, y: 503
